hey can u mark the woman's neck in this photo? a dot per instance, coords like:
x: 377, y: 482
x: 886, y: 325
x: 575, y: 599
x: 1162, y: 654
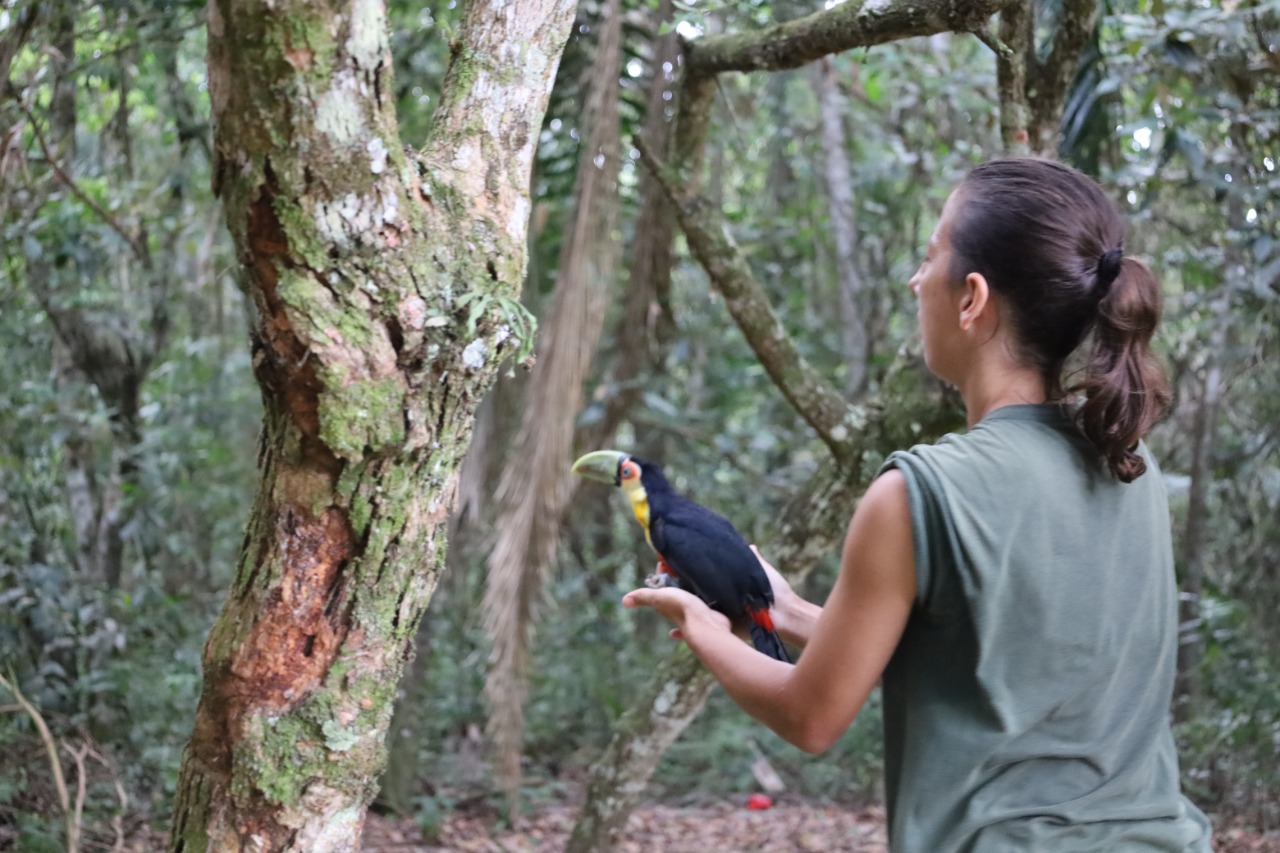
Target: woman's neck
x: 988, y: 390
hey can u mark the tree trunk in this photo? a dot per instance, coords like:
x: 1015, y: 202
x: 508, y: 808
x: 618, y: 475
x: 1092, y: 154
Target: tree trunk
x: 1195, y: 532
x: 1195, y: 535
x: 840, y: 206
x: 535, y: 488
x: 386, y: 293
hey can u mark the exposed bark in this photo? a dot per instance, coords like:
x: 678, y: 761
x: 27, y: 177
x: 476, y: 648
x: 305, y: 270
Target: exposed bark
x: 386, y: 298
x: 536, y: 485
x: 832, y: 107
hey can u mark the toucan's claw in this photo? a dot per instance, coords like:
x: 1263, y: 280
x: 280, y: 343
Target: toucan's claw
x: 661, y: 580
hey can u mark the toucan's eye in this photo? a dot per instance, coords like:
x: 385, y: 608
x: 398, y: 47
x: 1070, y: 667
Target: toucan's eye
x: 629, y: 471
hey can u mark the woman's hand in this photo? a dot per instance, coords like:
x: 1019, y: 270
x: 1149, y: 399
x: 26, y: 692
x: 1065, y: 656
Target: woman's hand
x: 677, y: 607
x: 793, y: 617
x: 784, y: 597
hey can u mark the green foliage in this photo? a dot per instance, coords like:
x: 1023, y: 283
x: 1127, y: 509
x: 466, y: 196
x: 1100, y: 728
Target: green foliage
x: 1231, y: 750
x: 1191, y: 87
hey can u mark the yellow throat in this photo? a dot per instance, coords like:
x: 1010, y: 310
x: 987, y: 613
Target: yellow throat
x: 640, y: 506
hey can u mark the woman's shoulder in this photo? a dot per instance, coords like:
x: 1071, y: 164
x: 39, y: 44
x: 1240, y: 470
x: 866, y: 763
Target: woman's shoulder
x: 1015, y: 444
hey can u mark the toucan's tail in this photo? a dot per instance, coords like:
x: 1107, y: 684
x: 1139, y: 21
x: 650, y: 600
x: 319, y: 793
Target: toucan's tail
x: 764, y: 637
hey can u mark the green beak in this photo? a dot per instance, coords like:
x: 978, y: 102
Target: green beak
x: 601, y: 466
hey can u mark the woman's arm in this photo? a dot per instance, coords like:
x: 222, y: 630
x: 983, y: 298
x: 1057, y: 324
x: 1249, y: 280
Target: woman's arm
x: 793, y: 617
x: 812, y: 703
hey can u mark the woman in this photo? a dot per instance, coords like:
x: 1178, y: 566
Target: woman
x: 1012, y: 586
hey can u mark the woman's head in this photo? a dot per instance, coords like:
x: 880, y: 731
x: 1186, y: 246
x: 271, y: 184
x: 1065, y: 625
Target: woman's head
x: 1050, y: 246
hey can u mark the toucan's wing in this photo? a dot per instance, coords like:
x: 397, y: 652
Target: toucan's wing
x: 709, y: 555
x: 706, y: 552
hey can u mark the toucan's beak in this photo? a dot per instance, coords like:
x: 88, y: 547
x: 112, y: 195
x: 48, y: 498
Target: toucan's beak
x: 601, y: 466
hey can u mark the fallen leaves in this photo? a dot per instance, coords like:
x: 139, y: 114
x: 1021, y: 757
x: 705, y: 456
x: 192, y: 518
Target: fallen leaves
x: 785, y: 828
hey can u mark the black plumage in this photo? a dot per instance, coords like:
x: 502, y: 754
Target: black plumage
x: 710, y: 559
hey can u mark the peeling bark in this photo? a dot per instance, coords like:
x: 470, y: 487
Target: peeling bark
x: 385, y: 289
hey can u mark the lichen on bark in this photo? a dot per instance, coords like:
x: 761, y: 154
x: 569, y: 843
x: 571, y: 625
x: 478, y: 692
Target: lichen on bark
x: 368, y: 405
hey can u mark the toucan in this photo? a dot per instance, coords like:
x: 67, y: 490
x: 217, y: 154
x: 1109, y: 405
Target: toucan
x: 698, y: 550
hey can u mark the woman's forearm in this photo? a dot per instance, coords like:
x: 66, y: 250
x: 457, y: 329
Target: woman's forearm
x: 795, y: 619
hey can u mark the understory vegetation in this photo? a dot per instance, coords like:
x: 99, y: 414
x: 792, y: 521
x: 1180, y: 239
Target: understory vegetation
x: 128, y: 438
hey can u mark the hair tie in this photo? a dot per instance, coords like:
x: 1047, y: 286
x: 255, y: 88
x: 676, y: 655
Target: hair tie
x: 1108, y: 269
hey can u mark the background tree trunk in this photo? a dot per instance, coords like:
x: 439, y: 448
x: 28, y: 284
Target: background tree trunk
x: 840, y: 205
x: 536, y: 485
x: 386, y: 291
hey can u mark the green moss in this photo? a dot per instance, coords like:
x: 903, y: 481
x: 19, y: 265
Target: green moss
x: 300, y: 230
x: 278, y: 756
x: 366, y: 414
x: 312, y: 33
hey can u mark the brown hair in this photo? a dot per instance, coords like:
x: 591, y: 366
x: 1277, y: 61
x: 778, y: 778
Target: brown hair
x: 1052, y: 245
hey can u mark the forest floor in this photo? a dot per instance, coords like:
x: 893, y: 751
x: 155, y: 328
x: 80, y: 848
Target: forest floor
x: 727, y: 827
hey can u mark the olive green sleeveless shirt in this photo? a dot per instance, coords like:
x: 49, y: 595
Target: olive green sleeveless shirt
x: 1027, y: 706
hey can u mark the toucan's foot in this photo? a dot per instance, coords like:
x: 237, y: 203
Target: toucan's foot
x: 661, y: 580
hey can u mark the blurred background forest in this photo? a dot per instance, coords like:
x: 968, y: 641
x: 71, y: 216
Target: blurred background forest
x: 128, y: 433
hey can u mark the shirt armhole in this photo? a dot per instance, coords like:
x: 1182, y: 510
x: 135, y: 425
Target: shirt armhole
x: 919, y: 505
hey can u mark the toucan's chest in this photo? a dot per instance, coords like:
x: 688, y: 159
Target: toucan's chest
x: 640, y: 507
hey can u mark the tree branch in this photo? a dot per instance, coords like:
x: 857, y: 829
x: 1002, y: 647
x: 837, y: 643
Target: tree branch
x: 1011, y: 75
x: 844, y: 27
x: 55, y: 765
x: 139, y: 249
x: 810, y: 394
x: 1053, y: 76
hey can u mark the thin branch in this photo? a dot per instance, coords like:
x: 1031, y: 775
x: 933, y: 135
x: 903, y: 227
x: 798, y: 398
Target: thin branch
x: 117, y: 822
x: 812, y: 396
x: 991, y: 38
x: 51, y: 748
x: 82, y: 785
x: 139, y: 250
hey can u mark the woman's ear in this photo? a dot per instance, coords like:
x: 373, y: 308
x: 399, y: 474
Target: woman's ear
x: 975, y: 300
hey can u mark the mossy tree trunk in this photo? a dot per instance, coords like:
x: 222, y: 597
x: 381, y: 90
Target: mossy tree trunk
x: 385, y: 285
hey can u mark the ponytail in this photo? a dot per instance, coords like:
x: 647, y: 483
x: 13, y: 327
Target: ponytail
x: 1124, y: 387
x: 1050, y: 242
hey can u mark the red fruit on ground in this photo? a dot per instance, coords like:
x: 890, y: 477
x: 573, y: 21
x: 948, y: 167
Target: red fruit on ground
x: 759, y: 802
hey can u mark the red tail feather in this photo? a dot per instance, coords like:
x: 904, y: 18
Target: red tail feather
x: 761, y: 618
